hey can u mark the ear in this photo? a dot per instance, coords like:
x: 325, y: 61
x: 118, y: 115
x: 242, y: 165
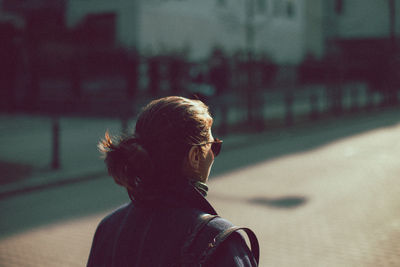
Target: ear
x: 194, y: 157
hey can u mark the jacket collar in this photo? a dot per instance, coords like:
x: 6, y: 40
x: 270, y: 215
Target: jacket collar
x: 196, y: 199
x: 183, y: 195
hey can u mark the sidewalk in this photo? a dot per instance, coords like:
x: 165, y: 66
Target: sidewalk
x: 27, y: 140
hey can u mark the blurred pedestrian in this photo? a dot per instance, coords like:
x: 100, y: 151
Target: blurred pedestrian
x: 164, y: 165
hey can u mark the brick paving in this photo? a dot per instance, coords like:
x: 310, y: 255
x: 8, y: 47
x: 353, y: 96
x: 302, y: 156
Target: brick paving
x: 350, y: 216
x: 65, y: 244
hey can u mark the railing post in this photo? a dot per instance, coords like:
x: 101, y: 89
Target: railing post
x: 314, y: 114
x: 354, y: 99
x: 289, y: 108
x: 370, y: 99
x: 55, y: 162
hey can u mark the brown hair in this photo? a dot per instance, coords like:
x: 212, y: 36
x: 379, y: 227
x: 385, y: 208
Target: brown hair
x: 151, y: 158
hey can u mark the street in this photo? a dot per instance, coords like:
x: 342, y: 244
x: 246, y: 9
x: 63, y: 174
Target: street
x: 320, y: 195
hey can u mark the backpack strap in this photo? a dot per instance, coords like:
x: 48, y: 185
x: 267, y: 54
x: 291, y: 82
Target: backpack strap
x: 199, y: 248
x: 222, y: 236
x: 188, y: 257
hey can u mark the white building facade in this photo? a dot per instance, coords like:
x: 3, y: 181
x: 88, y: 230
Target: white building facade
x: 199, y: 26
x: 284, y: 30
x: 350, y: 19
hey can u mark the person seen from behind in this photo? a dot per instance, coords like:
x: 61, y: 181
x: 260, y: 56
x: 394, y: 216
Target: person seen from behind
x: 164, y: 166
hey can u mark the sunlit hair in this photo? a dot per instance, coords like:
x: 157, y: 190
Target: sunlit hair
x: 151, y: 158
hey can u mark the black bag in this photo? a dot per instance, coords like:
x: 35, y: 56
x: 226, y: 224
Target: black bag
x: 196, y: 252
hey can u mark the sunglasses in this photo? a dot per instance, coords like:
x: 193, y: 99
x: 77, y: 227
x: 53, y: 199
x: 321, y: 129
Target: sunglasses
x: 215, y: 147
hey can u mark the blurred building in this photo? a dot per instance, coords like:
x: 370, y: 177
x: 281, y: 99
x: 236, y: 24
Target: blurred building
x: 86, y: 42
x: 199, y: 26
x: 42, y: 15
x: 351, y: 40
x: 119, y: 18
x: 285, y: 30
x: 363, y: 38
x: 360, y: 19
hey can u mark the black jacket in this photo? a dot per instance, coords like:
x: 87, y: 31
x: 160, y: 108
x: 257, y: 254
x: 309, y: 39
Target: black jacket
x: 152, y: 233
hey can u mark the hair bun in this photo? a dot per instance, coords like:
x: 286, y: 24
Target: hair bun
x: 127, y: 162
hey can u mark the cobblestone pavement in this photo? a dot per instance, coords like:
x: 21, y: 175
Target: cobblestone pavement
x: 333, y: 205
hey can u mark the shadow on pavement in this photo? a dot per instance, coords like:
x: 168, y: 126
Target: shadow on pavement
x: 288, y: 202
